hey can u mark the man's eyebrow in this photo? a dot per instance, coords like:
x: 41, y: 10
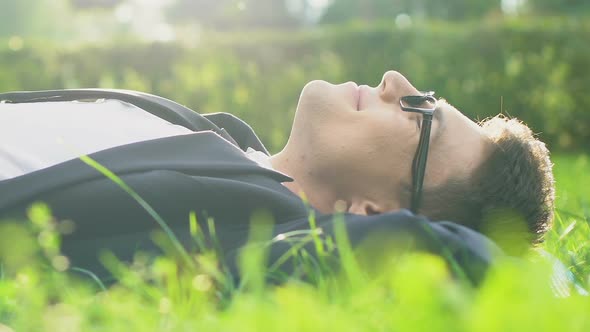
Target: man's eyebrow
x: 440, y: 118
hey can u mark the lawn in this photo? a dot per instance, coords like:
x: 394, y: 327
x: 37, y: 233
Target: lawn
x: 413, y: 293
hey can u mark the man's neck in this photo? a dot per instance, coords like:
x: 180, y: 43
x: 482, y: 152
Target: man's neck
x: 304, y: 185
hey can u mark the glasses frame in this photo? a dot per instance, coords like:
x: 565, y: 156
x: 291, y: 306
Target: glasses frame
x: 421, y: 156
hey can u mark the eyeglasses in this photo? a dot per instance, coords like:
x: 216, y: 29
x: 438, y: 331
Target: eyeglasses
x: 424, y: 104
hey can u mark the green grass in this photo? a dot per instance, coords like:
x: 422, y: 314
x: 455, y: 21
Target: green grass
x: 412, y: 293
x: 569, y: 238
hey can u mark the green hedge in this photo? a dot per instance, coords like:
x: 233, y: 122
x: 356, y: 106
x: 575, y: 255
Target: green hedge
x: 536, y: 70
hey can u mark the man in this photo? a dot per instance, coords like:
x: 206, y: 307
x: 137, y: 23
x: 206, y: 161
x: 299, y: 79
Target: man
x: 371, y: 152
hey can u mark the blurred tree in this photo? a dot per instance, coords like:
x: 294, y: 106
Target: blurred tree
x: 31, y: 17
x: 346, y: 10
x: 231, y: 14
x: 460, y: 9
x: 91, y: 4
x: 14, y: 17
x: 559, y: 6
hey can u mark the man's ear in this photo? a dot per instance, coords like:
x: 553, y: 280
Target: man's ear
x: 365, y: 207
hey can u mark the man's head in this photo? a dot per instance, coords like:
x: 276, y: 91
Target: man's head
x: 355, y: 145
x: 511, y: 191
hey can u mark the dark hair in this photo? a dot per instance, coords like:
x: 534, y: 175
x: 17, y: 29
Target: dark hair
x: 511, y: 191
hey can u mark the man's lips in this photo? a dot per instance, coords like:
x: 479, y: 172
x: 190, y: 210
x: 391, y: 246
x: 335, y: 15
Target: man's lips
x: 361, y: 97
x: 358, y: 98
x: 356, y: 95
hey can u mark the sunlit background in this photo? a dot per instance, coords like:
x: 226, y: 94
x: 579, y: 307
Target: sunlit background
x: 71, y: 21
x: 526, y: 58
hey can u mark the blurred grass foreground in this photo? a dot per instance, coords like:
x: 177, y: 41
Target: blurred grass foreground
x: 409, y: 293
x: 529, y: 59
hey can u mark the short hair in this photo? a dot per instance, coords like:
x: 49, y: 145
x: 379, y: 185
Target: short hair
x: 515, y: 183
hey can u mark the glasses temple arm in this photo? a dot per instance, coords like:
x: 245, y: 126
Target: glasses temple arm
x: 419, y: 168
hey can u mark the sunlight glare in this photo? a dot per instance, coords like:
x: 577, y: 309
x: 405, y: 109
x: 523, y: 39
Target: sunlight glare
x: 124, y: 13
x: 403, y: 21
x: 512, y: 7
x: 146, y: 19
x: 319, y: 4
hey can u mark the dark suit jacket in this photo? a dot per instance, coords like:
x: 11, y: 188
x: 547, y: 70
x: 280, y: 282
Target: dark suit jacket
x: 206, y: 172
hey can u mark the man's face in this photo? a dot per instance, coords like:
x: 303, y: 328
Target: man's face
x: 358, y: 141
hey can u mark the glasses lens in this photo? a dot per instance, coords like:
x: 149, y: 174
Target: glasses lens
x: 426, y: 100
x: 413, y: 101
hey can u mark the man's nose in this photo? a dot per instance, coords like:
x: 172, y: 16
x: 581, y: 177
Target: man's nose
x: 393, y: 86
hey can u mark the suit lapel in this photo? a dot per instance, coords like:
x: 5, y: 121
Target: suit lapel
x: 203, y: 153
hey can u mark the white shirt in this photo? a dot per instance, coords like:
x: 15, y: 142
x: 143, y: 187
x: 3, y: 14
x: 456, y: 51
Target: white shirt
x: 38, y: 135
x: 261, y: 158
